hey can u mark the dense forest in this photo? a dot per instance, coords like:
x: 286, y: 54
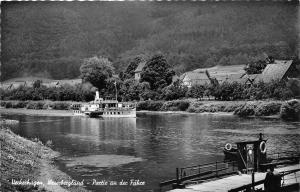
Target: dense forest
x: 51, y: 39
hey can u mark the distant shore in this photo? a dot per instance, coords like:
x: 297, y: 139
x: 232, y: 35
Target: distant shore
x: 287, y: 110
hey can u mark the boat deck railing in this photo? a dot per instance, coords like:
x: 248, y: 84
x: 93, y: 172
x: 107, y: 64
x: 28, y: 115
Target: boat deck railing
x: 201, y: 173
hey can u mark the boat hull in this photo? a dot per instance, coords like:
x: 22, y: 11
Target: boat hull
x: 115, y: 113
x: 129, y: 113
x: 230, y: 154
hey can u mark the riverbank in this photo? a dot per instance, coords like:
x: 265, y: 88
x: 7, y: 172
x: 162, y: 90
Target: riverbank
x: 40, y: 112
x: 28, y: 165
x: 287, y: 110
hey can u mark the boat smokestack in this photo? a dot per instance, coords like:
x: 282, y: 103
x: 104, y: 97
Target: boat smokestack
x: 97, y: 95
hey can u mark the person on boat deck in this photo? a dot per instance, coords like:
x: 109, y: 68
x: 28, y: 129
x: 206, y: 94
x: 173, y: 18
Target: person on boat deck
x: 272, y: 181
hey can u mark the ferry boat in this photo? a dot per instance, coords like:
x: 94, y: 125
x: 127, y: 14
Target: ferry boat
x: 108, y: 107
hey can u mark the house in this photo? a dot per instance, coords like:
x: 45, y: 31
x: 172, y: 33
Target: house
x: 231, y: 73
x: 138, y: 70
x: 194, y: 78
x: 279, y: 70
x: 276, y: 70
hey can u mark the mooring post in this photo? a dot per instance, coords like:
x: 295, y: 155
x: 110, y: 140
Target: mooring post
x: 217, y: 168
x: 253, y: 185
x: 177, y: 175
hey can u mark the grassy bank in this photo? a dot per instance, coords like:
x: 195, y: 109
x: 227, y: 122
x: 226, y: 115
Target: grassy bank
x: 288, y: 110
x: 28, y: 160
x: 43, y: 104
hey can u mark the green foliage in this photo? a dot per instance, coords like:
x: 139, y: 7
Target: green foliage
x: 35, y: 105
x: 177, y: 105
x: 196, y: 91
x: 235, y: 91
x: 157, y: 72
x: 259, y: 108
x: 248, y: 109
x: 290, y: 110
x: 294, y: 86
x: 256, y: 67
x: 96, y: 70
x: 61, y: 106
x: 268, y: 108
x: 64, y: 93
x: 133, y: 64
x: 213, y: 106
x: 209, y: 34
x: 150, y: 105
x: 133, y: 90
x: 174, y: 91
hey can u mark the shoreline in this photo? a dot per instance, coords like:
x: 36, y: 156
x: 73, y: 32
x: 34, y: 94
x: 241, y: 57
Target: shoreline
x: 39, y: 112
x: 67, y: 113
x: 286, y: 110
x: 186, y: 112
x: 28, y: 165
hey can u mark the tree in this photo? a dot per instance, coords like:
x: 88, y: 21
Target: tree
x: 129, y: 72
x: 174, y: 91
x: 157, y: 72
x: 133, y: 90
x: 256, y: 67
x: 196, y: 91
x: 96, y: 70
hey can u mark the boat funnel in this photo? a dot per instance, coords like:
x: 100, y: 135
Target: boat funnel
x: 97, y: 96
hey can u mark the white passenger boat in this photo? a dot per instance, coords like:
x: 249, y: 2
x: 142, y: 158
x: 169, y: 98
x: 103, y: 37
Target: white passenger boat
x: 105, y: 108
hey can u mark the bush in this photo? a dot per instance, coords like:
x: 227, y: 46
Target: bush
x: 61, y: 106
x: 290, y: 110
x: 270, y: 108
x: 19, y: 104
x: 183, y: 106
x: 177, y: 105
x: 200, y: 107
x: 2, y: 103
x: 35, y: 105
x: 247, y: 109
x: 8, y: 105
x: 231, y: 107
x: 150, y: 105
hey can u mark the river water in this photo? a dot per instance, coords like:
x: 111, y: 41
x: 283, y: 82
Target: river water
x: 147, y: 148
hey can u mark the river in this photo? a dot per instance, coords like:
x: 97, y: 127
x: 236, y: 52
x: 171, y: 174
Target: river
x: 147, y: 148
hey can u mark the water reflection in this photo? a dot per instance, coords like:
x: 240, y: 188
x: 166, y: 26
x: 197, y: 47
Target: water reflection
x: 150, y: 146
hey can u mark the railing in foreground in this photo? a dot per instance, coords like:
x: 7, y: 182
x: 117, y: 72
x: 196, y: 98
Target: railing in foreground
x: 200, y: 173
x: 251, y: 187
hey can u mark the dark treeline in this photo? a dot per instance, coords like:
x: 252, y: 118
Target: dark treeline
x: 51, y: 39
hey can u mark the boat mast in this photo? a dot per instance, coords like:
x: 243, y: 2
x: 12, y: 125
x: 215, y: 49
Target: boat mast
x: 116, y: 90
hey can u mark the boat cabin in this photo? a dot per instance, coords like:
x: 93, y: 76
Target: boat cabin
x: 251, y: 154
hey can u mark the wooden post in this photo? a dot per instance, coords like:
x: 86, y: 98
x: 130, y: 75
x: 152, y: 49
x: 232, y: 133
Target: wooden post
x: 217, y: 168
x: 177, y: 176
x: 253, y: 185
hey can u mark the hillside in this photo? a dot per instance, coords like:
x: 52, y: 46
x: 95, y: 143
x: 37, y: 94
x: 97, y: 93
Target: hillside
x: 50, y: 39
